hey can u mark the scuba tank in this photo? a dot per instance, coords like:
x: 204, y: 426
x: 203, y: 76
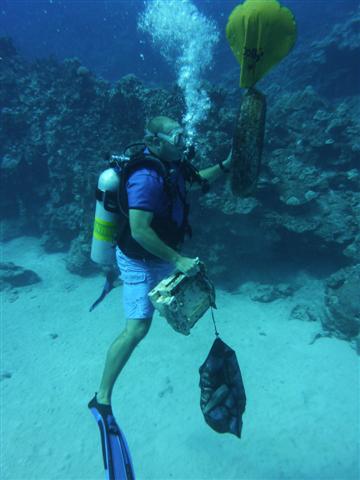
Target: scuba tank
x: 107, y: 213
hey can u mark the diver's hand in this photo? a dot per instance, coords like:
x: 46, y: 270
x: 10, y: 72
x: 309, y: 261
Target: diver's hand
x: 188, y: 266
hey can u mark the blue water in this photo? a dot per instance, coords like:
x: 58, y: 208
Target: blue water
x: 302, y: 415
x: 104, y: 34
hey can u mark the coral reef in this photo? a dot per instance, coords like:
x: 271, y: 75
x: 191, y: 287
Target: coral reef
x: 307, y: 203
x: 333, y: 59
x: 57, y: 120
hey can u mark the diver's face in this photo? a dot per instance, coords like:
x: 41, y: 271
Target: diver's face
x: 172, y: 144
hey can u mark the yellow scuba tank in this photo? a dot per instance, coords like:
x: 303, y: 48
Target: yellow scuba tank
x: 107, y: 218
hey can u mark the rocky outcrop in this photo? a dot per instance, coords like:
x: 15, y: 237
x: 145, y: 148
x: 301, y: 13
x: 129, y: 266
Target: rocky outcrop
x: 307, y: 202
x: 268, y: 293
x: 342, y: 300
x: 56, y: 121
x: 12, y: 275
x: 333, y: 59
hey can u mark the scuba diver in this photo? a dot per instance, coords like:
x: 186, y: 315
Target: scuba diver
x: 152, y: 196
x: 148, y: 249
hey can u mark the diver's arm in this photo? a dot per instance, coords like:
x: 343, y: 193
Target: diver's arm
x: 141, y: 231
x: 213, y: 173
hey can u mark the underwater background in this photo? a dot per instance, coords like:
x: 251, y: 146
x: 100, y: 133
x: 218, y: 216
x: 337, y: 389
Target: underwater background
x: 79, y: 79
x: 105, y: 37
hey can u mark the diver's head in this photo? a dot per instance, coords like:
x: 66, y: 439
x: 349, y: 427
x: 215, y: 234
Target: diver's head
x: 165, y: 138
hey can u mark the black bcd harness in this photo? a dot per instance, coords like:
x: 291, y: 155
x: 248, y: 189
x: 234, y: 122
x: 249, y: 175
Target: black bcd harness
x: 166, y: 228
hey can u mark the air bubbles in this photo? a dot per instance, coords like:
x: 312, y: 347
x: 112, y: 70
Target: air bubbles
x: 186, y: 39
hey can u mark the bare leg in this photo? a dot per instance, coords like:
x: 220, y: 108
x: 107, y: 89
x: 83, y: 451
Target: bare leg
x: 119, y: 353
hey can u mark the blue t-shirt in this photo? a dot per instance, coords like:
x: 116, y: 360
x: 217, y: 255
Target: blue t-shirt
x: 145, y: 190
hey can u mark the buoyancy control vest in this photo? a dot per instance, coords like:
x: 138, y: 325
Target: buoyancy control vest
x: 112, y: 211
x: 164, y: 226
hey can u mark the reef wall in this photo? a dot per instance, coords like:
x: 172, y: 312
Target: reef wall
x: 57, y: 119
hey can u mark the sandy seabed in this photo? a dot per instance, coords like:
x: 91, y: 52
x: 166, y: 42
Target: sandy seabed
x: 302, y: 415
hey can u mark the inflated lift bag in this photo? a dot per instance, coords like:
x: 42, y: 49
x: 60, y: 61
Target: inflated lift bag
x: 260, y: 33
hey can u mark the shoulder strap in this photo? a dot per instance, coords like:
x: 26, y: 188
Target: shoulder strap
x: 137, y: 161
x: 140, y: 160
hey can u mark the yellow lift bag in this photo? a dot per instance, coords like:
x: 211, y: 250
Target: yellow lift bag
x: 260, y: 34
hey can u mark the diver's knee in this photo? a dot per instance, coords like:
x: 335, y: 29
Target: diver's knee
x: 136, y: 329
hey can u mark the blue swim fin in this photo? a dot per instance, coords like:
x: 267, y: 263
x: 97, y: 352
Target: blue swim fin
x: 110, y: 279
x: 115, y: 450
